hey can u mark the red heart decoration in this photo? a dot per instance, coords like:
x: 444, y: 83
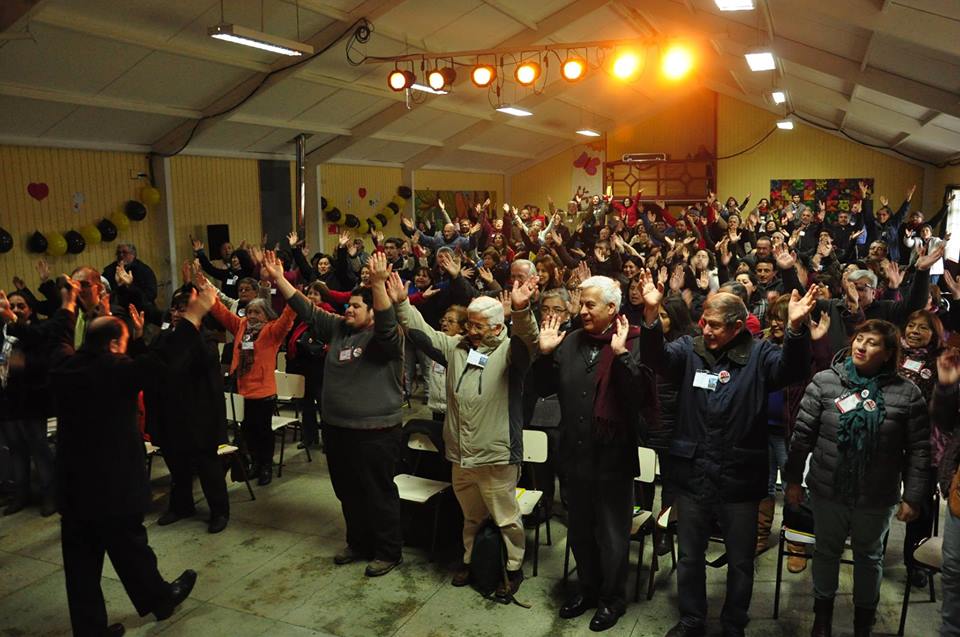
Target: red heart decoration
x: 362, y: 192
x: 38, y: 191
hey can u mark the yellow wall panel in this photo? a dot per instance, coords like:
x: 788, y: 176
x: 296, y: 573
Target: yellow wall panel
x: 456, y: 180
x: 102, y: 177
x: 680, y: 130
x: 551, y: 177
x: 213, y: 190
x: 804, y: 152
x: 935, y: 186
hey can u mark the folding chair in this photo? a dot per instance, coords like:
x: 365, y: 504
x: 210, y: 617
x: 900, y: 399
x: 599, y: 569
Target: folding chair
x: 235, y: 413
x: 530, y: 500
x: 151, y: 450
x: 927, y: 556
x: 290, y: 388
x: 421, y: 490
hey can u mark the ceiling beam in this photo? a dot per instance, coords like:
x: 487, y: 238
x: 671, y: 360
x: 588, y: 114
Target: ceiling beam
x: 16, y: 14
x: 280, y: 70
x: 12, y: 89
x: 511, y: 13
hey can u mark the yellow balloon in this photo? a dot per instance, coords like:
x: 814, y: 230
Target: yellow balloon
x: 149, y: 196
x: 120, y: 220
x: 56, y: 244
x: 91, y: 234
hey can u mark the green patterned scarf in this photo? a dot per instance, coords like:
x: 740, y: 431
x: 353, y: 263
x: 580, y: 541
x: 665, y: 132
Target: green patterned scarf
x: 857, y: 432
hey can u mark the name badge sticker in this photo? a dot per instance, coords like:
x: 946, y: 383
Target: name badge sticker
x: 476, y: 359
x: 232, y: 280
x: 706, y: 380
x: 847, y: 403
x: 346, y: 354
x: 246, y: 345
x: 912, y: 364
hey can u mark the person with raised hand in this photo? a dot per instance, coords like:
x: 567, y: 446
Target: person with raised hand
x: 944, y: 415
x: 482, y: 431
x: 719, y: 445
x: 103, y: 490
x: 599, y: 374
x: 361, y: 412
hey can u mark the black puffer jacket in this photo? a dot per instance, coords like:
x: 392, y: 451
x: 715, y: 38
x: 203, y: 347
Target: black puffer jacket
x: 903, y: 450
x: 945, y: 413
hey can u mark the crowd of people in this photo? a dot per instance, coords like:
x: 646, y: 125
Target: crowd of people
x: 801, y: 339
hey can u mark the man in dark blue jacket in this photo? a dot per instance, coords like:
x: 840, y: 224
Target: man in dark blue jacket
x: 719, y: 446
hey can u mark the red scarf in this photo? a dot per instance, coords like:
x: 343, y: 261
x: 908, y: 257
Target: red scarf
x: 608, y: 418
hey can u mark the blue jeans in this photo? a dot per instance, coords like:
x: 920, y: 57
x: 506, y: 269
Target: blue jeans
x: 867, y: 529
x: 951, y: 577
x: 777, y: 446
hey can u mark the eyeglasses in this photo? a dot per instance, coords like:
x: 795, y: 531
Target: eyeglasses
x: 544, y: 309
x: 477, y: 327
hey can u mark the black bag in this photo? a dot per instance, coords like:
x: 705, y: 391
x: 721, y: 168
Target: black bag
x: 488, y: 559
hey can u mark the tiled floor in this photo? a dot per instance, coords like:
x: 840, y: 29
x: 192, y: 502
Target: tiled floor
x: 272, y: 573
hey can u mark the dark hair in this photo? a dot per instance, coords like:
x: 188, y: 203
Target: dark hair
x: 27, y: 299
x: 247, y: 280
x: 680, y: 322
x: 424, y: 269
x: 316, y: 286
x: 365, y: 294
x: 889, y: 335
x: 935, y: 324
x: 735, y: 287
x: 769, y: 260
x: 750, y: 275
x: 397, y: 243
x: 100, y: 332
x: 181, y: 298
x: 246, y: 262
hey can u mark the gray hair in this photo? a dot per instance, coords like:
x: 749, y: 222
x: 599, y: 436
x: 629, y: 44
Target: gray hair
x: 729, y: 305
x: 610, y: 291
x: 487, y: 307
x: 858, y: 275
x: 531, y: 268
x: 132, y: 247
x: 556, y: 292
x: 263, y: 305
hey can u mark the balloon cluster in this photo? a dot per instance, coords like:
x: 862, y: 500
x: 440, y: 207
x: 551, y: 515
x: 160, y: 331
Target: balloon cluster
x: 376, y: 222
x: 56, y: 244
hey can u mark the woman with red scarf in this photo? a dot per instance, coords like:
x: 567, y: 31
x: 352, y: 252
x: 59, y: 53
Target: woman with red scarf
x: 598, y: 374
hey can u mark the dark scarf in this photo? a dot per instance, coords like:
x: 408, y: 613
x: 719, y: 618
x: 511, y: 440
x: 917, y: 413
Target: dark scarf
x: 608, y: 418
x: 250, y: 333
x: 857, y: 432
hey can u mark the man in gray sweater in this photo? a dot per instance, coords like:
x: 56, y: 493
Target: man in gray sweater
x: 360, y: 404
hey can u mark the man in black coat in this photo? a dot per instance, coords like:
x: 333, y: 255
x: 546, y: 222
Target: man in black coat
x: 598, y: 375
x: 144, y: 280
x: 102, y: 485
x: 186, y: 418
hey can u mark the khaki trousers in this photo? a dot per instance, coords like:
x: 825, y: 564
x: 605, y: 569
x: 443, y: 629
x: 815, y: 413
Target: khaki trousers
x: 490, y: 491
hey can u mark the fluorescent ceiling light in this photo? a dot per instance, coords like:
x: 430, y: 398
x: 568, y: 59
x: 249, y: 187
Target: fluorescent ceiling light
x: 735, y: 5
x: 588, y: 132
x: 258, y: 40
x: 761, y: 61
x: 513, y: 110
x: 785, y: 124
x: 427, y: 89
x: 779, y: 97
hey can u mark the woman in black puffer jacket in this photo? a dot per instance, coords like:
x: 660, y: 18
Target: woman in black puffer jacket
x: 868, y: 430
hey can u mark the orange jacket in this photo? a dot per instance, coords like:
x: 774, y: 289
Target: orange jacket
x: 260, y: 381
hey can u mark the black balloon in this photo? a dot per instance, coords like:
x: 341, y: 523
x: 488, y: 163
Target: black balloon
x: 382, y: 218
x: 135, y: 210
x: 323, y: 203
x: 352, y: 221
x: 37, y: 243
x: 75, y: 242
x: 108, y: 231
x: 334, y: 215
x: 392, y: 206
x: 405, y: 192
x: 6, y: 241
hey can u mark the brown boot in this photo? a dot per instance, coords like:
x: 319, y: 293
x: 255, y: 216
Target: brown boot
x: 764, y: 523
x: 796, y: 564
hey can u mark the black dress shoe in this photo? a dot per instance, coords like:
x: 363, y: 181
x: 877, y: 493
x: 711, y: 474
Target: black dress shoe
x: 576, y: 606
x: 266, y: 477
x: 604, y: 618
x: 170, y: 517
x: 16, y: 506
x: 218, y: 524
x: 114, y: 630
x: 179, y: 590
x: 682, y: 630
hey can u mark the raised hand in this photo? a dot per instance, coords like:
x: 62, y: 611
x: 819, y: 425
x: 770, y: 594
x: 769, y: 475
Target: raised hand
x: 800, y: 307
x: 819, y: 330
x: 784, y: 257
x: 652, y: 292
x: 894, y: 275
x: 272, y: 265
x: 520, y: 296
x: 256, y: 254
x: 618, y: 342
x: 196, y: 243
x: 855, y: 235
x: 407, y: 223
x: 676, y: 279
x: 574, y: 306
x: 550, y: 334
x: 884, y: 202
x: 467, y: 272
x: 910, y: 192
x: 124, y: 278
x: 446, y: 261
x: 583, y: 271
x: 953, y: 283
x: 486, y: 275
x: 137, y: 320
x: 925, y: 261
x: 292, y: 238
x: 43, y: 269
x: 948, y: 367
x: 344, y: 238
x: 379, y: 268
x: 430, y: 291
x: 396, y: 288
x: 18, y: 283
x: 442, y: 205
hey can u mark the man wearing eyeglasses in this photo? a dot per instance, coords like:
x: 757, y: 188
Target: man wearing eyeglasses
x: 135, y: 274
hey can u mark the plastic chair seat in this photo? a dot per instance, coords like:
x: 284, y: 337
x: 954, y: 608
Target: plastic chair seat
x: 930, y: 554
x: 417, y: 489
x: 528, y: 499
x: 279, y: 422
x: 640, y: 521
x: 226, y: 450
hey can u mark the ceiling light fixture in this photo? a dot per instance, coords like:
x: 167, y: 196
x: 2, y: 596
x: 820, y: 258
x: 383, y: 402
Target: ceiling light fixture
x: 785, y: 124
x: 483, y: 75
x: 574, y: 68
x: 441, y: 79
x: 779, y: 97
x: 588, y: 132
x: 676, y: 62
x: 399, y: 80
x: 514, y: 110
x: 427, y: 89
x: 626, y: 65
x: 258, y: 40
x: 735, y: 5
x: 527, y: 73
x: 761, y: 61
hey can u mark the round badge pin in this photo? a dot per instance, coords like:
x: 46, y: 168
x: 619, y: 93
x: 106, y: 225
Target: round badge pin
x: 357, y: 351
x: 724, y: 376
x: 925, y: 373
x: 870, y: 405
x: 864, y: 393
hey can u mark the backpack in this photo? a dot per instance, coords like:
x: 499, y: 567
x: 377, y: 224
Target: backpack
x: 488, y: 559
